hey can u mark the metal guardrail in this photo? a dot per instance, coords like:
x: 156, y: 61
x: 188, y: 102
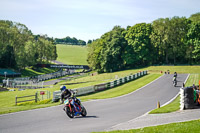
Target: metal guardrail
x: 100, y: 87
x: 30, y: 80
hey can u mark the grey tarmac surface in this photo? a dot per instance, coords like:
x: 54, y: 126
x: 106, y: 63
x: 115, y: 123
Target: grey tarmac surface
x: 158, y: 119
x: 102, y: 114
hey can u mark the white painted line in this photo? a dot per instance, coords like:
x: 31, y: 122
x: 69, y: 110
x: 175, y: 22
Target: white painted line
x: 176, y: 95
x: 150, y: 110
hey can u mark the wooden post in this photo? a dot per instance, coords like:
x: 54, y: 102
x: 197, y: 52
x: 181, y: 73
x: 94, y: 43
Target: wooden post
x: 36, y: 97
x: 16, y: 100
x: 158, y: 104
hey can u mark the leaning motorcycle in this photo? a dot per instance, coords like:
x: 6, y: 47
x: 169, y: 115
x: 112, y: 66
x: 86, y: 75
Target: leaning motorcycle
x: 73, y: 107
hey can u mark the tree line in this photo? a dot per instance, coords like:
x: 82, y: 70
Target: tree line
x: 164, y: 41
x: 69, y: 40
x: 19, y: 48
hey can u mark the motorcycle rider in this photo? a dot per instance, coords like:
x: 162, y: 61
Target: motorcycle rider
x: 65, y: 93
x: 175, y: 74
x: 174, y: 80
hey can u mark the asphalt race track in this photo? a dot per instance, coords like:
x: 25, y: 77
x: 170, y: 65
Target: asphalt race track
x: 102, y: 114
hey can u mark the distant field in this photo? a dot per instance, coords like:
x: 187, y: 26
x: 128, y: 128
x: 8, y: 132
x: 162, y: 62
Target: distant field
x: 172, y: 69
x: 72, y: 55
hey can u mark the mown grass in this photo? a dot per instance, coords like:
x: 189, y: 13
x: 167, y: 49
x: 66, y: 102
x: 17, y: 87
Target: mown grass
x: 7, y: 99
x: 173, y: 106
x: 182, y: 127
x: 72, y: 55
x: 172, y: 69
x: 96, y: 78
x: 28, y: 72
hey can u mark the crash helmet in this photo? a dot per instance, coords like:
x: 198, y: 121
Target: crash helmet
x: 63, y: 88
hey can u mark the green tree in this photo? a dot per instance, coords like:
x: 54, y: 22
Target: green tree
x: 138, y: 36
x: 195, y: 17
x: 178, y: 30
x: 105, y: 54
x: 20, y: 48
x: 160, y: 39
x: 193, y: 42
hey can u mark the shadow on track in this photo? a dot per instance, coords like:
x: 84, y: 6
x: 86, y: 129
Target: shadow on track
x: 86, y: 117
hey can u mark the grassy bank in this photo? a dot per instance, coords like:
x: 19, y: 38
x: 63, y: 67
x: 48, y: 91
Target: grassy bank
x: 28, y: 72
x: 7, y: 106
x: 182, y: 127
x: 72, y: 55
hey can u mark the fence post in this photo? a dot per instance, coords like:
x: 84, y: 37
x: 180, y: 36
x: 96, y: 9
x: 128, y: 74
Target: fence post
x: 36, y: 97
x: 16, y: 100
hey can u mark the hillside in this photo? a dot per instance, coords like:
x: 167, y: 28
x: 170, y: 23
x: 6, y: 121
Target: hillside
x: 72, y: 55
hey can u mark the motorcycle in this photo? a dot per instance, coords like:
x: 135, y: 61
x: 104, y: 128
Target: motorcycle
x: 174, y: 83
x: 73, y: 107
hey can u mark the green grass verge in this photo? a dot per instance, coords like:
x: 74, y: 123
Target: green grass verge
x: 28, y: 72
x: 172, y: 69
x: 7, y: 99
x: 182, y: 127
x: 173, y: 106
x: 72, y: 55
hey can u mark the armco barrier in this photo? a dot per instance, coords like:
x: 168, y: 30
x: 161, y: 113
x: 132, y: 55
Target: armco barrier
x: 108, y: 85
x: 84, y: 90
x: 56, y: 96
x: 100, y: 87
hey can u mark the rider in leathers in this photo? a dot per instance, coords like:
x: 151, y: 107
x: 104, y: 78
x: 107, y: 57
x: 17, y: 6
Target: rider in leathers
x: 65, y: 94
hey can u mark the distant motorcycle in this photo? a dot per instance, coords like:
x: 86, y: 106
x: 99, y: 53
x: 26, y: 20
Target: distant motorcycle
x: 73, y: 107
x: 175, y: 79
x: 174, y: 83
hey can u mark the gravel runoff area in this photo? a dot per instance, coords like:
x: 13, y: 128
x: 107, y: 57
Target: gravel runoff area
x: 147, y: 120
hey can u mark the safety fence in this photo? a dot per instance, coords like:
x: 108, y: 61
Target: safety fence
x: 19, y: 82
x: 100, y: 87
x: 39, y: 95
x: 34, y: 99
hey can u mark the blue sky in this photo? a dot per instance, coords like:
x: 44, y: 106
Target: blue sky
x: 89, y: 19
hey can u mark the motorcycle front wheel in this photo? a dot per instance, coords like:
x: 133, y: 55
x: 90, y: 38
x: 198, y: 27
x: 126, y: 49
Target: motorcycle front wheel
x: 83, y: 112
x: 69, y: 113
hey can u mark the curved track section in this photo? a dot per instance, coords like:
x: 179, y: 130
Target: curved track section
x: 102, y: 114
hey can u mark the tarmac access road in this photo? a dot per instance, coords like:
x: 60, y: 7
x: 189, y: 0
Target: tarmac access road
x: 102, y: 114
